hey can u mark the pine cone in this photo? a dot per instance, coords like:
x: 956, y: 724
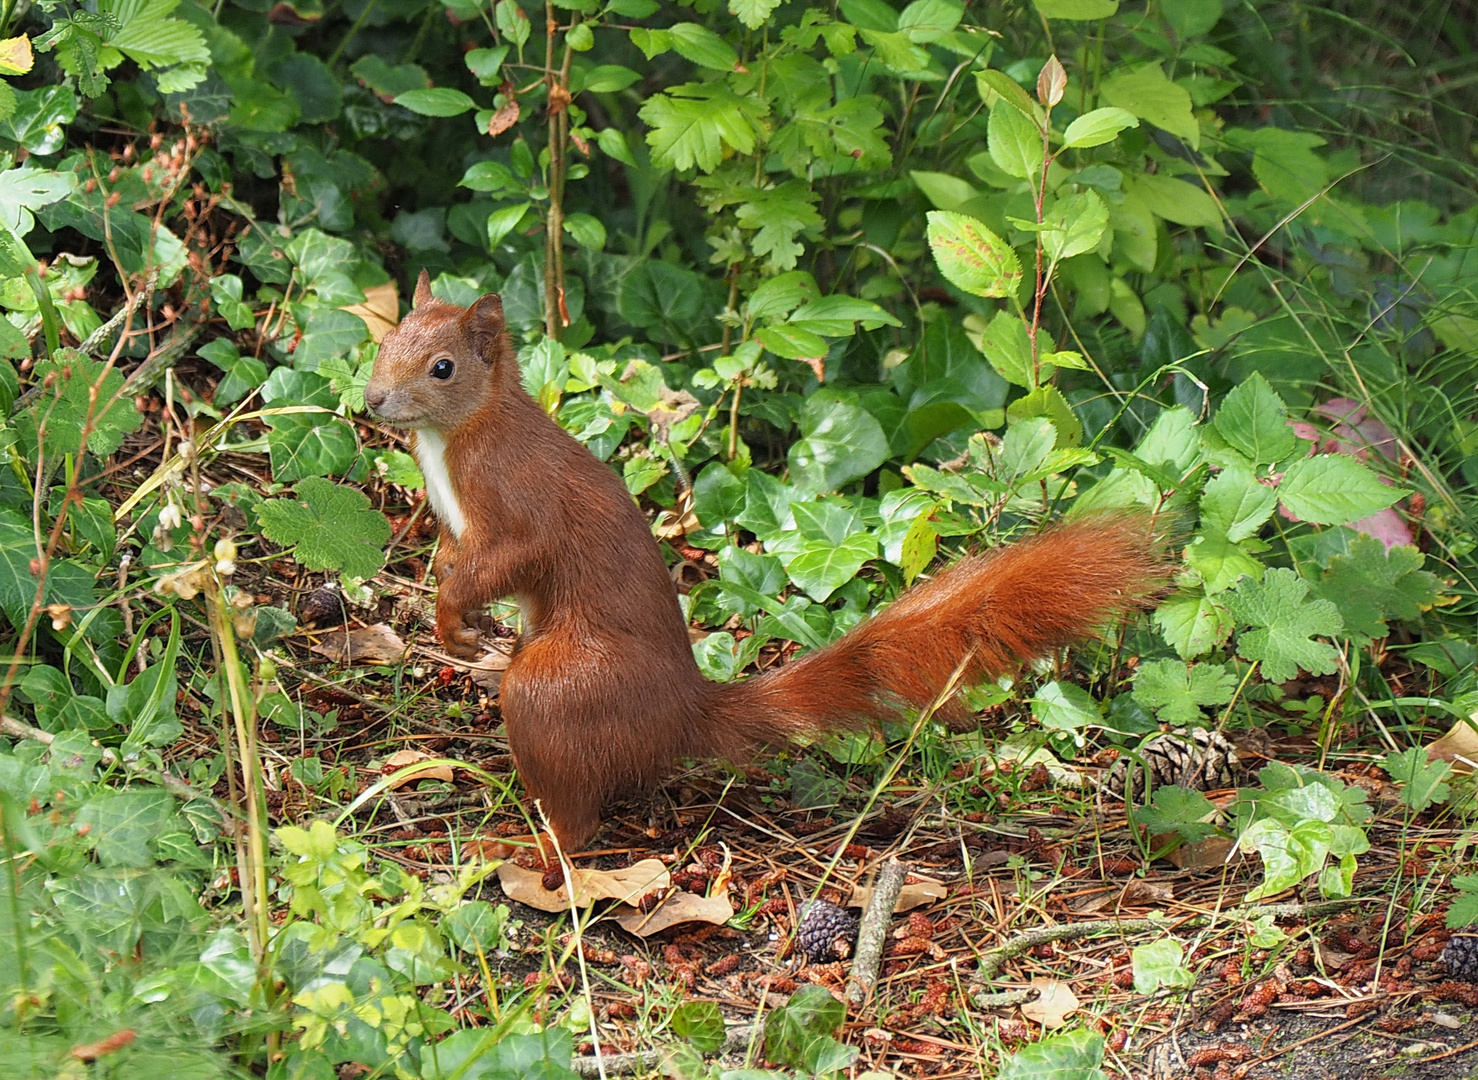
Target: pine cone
x: 1461, y: 955
x: 1200, y: 760
x: 825, y: 931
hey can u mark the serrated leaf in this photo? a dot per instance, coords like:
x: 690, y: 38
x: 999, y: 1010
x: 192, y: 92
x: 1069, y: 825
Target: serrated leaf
x: 1423, y: 782
x: 691, y: 124
x: 1160, y: 964
x: 1074, y: 225
x: 1334, y: 489
x: 1177, y: 810
x: 1097, y: 127
x: 920, y: 545
x: 150, y: 38
x: 1014, y: 141
x: 1371, y: 584
x: 1193, y: 623
x: 57, y: 415
x: 1235, y: 505
x: 972, y: 257
x: 1255, y: 421
x: 331, y: 527
x: 702, y: 46
x: 753, y: 13
x: 1176, y: 692
x: 1284, y: 625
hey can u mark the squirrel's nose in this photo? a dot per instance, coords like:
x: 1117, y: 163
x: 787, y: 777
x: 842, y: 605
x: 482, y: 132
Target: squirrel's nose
x: 374, y: 396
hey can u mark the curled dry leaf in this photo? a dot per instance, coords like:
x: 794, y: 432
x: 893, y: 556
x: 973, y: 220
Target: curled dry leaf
x: 487, y: 670
x: 678, y: 907
x: 1204, y: 854
x: 405, y: 759
x: 628, y: 884
x: 1053, y: 1003
x: 380, y: 310
x: 1459, y: 746
x: 376, y: 644
x: 1141, y: 893
x: 507, y: 114
x: 913, y: 894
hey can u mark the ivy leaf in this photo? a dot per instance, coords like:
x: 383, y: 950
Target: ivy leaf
x: 841, y: 442
x: 1372, y: 584
x: 1333, y: 489
x: 821, y: 567
x: 1284, y: 625
x: 333, y: 528
x: 1422, y: 782
x: 1176, y: 692
x: 1160, y: 963
x: 1073, y: 1055
x: 1255, y: 421
x: 692, y: 123
x: 971, y: 256
x: 301, y: 445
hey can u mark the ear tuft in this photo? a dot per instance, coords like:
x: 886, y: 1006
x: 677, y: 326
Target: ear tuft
x: 423, y: 291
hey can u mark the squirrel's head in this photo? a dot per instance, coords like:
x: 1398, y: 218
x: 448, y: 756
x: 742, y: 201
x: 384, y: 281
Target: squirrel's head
x: 442, y: 363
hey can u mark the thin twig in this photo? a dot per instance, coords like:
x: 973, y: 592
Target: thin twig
x: 873, y: 932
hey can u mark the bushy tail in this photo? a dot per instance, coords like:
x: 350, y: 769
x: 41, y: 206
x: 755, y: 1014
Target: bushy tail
x: 993, y: 612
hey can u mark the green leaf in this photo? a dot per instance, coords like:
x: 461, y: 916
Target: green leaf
x: 1177, y: 810
x: 972, y: 257
x: 1060, y: 706
x: 123, y: 823
x: 587, y: 230
x: 1014, y: 141
x: 1177, y: 692
x: 309, y: 444
x: 718, y: 496
x: 58, y: 414
x: 1423, y: 782
x: 1254, y: 420
x: 779, y: 214
x: 1288, y: 854
x: 476, y: 926
x: 504, y: 220
x: 1160, y: 963
x: 1333, y: 489
x: 604, y: 79
x: 702, y: 46
x: 1074, y: 225
x: 1284, y: 626
x: 612, y: 143
x: 1372, y: 584
x: 332, y: 527
x: 512, y: 23
x: 1097, y: 127
x: 225, y: 293
x: 439, y: 101
x: 946, y: 192
x: 821, y: 567
x: 389, y: 82
x: 1177, y: 201
x: 1149, y: 95
x: 838, y: 316
x: 920, y: 545
x: 1048, y: 401
x: 1193, y: 623
x: 1464, y: 909
x: 1235, y: 505
x: 792, y: 342
x: 24, y: 190
x: 840, y: 443
x: 925, y: 21
x: 692, y: 123
x: 700, y: 1022
x: 147, y: 36
x: 753, y: 13
x: 811, y: 1013
x: 1076, y: 1054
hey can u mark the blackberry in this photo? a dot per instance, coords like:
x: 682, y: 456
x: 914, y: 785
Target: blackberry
x: 825, y: 931
x: 1461, y: 955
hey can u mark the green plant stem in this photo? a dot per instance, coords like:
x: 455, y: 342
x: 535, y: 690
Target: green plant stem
x: 353, y: 29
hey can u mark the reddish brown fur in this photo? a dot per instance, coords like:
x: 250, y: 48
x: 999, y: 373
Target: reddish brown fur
x: 602, y: 694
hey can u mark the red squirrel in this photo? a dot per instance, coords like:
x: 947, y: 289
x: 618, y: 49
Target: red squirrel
x: 602, y: 694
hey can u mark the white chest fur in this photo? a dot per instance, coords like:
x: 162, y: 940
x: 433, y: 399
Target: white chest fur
x: 431, y: 456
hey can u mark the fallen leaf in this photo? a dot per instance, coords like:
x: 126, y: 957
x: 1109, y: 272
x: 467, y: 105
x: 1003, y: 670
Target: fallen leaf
x: 1459, y: 746
x: 507, y: 114
x: 1141, y: 893
x: 404, y: 759
x: 627, y: 884
x: 376, y: 644
x: 487, y: 670
x: 678, y: 907
x: 912, y: 895
x: 1202, y: 855
x: 1053, y: 1003
x: 380, y: 310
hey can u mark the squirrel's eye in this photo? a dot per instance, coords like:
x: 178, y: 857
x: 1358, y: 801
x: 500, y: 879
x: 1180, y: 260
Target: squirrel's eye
x: 442, y: 369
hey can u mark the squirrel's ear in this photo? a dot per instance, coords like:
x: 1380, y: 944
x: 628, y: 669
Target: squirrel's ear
x: 423, y: 290
x: 484, y: 319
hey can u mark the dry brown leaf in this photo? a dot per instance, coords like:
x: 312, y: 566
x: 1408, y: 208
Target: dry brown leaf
x: 507, y: 113
x: 1141, y: 893
x: 403, y: 759
x: 380, y: 310
x: 1459, y: 746
x: 487, y: 670
x: 377, y: 644
x: 1053, y: 1003
x: 1202, y: 855
x: 628, y: 884
x: 679, y: 907
x: 912, y: 895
